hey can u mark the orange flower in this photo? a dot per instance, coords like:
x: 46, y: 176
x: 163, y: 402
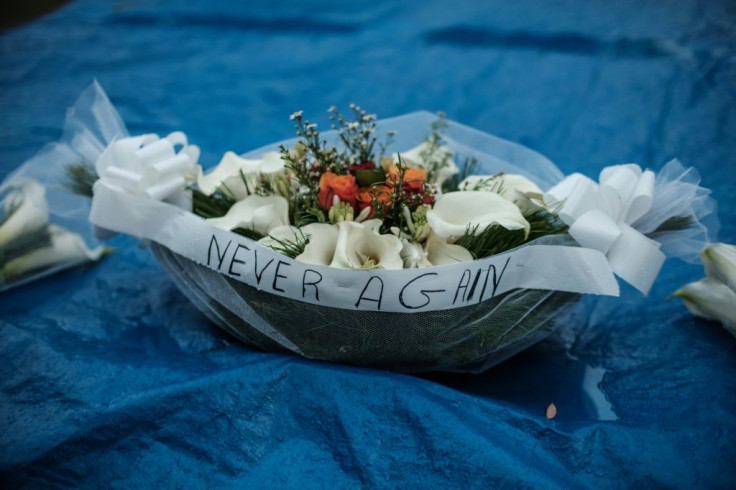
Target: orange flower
x: 331, y: 185
x: 414, y: 178
x: 366, y: 195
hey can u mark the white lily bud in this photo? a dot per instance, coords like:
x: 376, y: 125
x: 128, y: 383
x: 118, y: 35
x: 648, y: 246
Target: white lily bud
x: 711, y: 299
x: 720, y: 263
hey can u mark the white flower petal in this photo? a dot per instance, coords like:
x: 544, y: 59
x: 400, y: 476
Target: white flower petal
x: 259, y: 213
x: 27, y: 203
x: 239, y: 175
x: 720, y: 263
x: 414, y: 255
x: 512, y: 187
x: 711, y: 299
x: 322, y: 242
x: 439, y: 252
x: 455, y: 213
x: 359, y: 247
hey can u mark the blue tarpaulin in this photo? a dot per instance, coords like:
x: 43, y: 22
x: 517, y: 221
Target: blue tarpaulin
x: 110, y: 377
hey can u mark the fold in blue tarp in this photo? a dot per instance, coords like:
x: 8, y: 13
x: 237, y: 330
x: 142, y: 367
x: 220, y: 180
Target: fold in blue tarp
x: 109, y: 377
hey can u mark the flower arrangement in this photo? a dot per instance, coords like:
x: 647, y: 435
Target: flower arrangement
x: 412, y: 244
x: 357, y: 207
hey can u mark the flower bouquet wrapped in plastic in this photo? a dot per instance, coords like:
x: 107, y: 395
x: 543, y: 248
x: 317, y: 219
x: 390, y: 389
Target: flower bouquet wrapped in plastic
x: 412, y: 243
x: 44, y: 225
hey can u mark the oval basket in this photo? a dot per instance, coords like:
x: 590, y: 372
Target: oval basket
x: 466, y: 339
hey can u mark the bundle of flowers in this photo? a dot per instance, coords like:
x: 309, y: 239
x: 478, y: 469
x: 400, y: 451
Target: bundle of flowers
x: 357, y: 207
x: 412, y: 243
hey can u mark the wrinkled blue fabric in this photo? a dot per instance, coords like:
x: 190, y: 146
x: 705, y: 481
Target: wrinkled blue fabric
x: 110, y: 378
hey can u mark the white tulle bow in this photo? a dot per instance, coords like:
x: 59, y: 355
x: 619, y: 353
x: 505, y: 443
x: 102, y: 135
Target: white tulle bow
x: 601, y: 215
x: 151, y: 166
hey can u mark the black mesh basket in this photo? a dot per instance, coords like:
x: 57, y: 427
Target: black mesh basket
x: 466, y: 339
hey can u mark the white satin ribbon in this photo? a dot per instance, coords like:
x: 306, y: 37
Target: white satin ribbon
x: 600, y: 216
x: 151, y: 166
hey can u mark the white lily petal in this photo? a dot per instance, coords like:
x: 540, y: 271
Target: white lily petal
x: 711, y: 299
x: 27, y: 203
x: 359, y: 247
x: 66, y: 246
x: 322, y: 242
x: 439, y: 252
x: 456, y: 212
x: 239, y: 175
x: 512, y: 187
x: 720, y: 263
x: 259, y: 213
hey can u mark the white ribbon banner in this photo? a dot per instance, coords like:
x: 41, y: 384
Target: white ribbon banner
x: 572, y: 269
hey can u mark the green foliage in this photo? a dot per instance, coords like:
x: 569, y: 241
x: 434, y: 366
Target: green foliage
x: 79, y: 179
x: 497, y: 239
x: 212, y: 206
x: 248, y: 233
x: 675, y: 223
x: 25, y: 243
x: 291, y: 248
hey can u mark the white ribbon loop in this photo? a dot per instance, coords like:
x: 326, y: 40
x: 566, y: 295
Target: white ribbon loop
x: 147, y: 165
x: 600, y: 214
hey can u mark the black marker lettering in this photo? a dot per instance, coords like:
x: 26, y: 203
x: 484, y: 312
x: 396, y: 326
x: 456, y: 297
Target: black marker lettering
x: 497, y: 281
x: 259, y: 275
x: 365, y: 288
x: 423, y: 292
x: 276, y: 274
x: 234, y: 259
x: 463, y: 284
x: 311, y: 283
x: 217, y: 246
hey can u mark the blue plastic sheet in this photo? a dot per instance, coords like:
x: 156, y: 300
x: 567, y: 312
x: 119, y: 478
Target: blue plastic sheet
x: 109, y: 377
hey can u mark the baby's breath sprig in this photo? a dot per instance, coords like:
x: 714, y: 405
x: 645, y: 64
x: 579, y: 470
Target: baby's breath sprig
x: 324, y: 156
x: 358, y: 135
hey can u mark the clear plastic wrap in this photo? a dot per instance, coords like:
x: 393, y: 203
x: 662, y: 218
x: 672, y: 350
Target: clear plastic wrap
x: 54, y: 233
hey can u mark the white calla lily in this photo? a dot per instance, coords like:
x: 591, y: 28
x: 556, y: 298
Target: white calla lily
x: 25, y: 210
x: 438, y: 163
x: 239, y: 176
x: 359, y: 246
x: 512, y: 187
x: 711, y: 299
x: 720, y: 263
x: 258, y: 213
x: 455, y: 213
x: 322, y: 242
x: 440, y: 252
x: 65, y: 247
